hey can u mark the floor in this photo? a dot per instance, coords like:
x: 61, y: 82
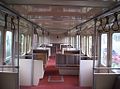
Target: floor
x: 52, y: 79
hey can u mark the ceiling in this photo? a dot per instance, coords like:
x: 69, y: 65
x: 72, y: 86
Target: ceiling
x: 58, y: 16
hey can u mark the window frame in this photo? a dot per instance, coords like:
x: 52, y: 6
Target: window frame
x: 109, y: 47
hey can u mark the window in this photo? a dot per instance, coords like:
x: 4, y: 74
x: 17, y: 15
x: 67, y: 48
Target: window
x: 28, y: 46
x: 116, y: 50
x: 23, y: 44
x: 40, y: 40
x: 77, y: 41
x: 90, y: 46
x: 72, y: 40
x: 87, y: 45
x: 30, y: 41
x: 104, y: 49
x: 35, y: 40
x: 66, y: 40
x: 83, y: 44
x: 69, y: 40
x: 8, y: 46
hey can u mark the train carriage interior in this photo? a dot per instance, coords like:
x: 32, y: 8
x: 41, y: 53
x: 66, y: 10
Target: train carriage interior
x: 66, y: 44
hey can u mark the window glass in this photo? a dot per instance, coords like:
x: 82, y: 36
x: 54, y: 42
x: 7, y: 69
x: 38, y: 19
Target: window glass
x: 69, y: 40
x: 35, y: 40
x: 66, y: 40
x: 104, y: 49
x: 116, y: 50
x: 28, y: 43
x: 74, y: 42
x: 8, y: 47
x: 22, y: 46
x: 40, y: 40
x: 84, y: 44
x: 87, y: 45
x: 90, y: 45
x: 77, y: 41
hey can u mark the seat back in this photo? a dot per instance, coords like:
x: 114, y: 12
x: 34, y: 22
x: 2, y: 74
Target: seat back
x: 117, y: 83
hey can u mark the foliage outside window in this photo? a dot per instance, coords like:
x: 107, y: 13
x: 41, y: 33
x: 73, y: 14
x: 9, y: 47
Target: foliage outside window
x: 116, y: 50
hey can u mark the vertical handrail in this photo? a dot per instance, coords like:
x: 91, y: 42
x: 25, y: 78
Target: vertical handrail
x: 32, y: 67
x: 3, y: 41
x: 80, y: 55
x: 18, y: 19
x: 94, y: 52
x: 13, y: 42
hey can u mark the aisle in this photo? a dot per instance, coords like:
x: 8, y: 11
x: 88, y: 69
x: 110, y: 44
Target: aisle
x: 70, y: 82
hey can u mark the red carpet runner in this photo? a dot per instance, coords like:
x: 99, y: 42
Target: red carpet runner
x: 70, y: 82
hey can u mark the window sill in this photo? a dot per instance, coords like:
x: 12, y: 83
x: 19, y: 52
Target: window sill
x: 116, y: 71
